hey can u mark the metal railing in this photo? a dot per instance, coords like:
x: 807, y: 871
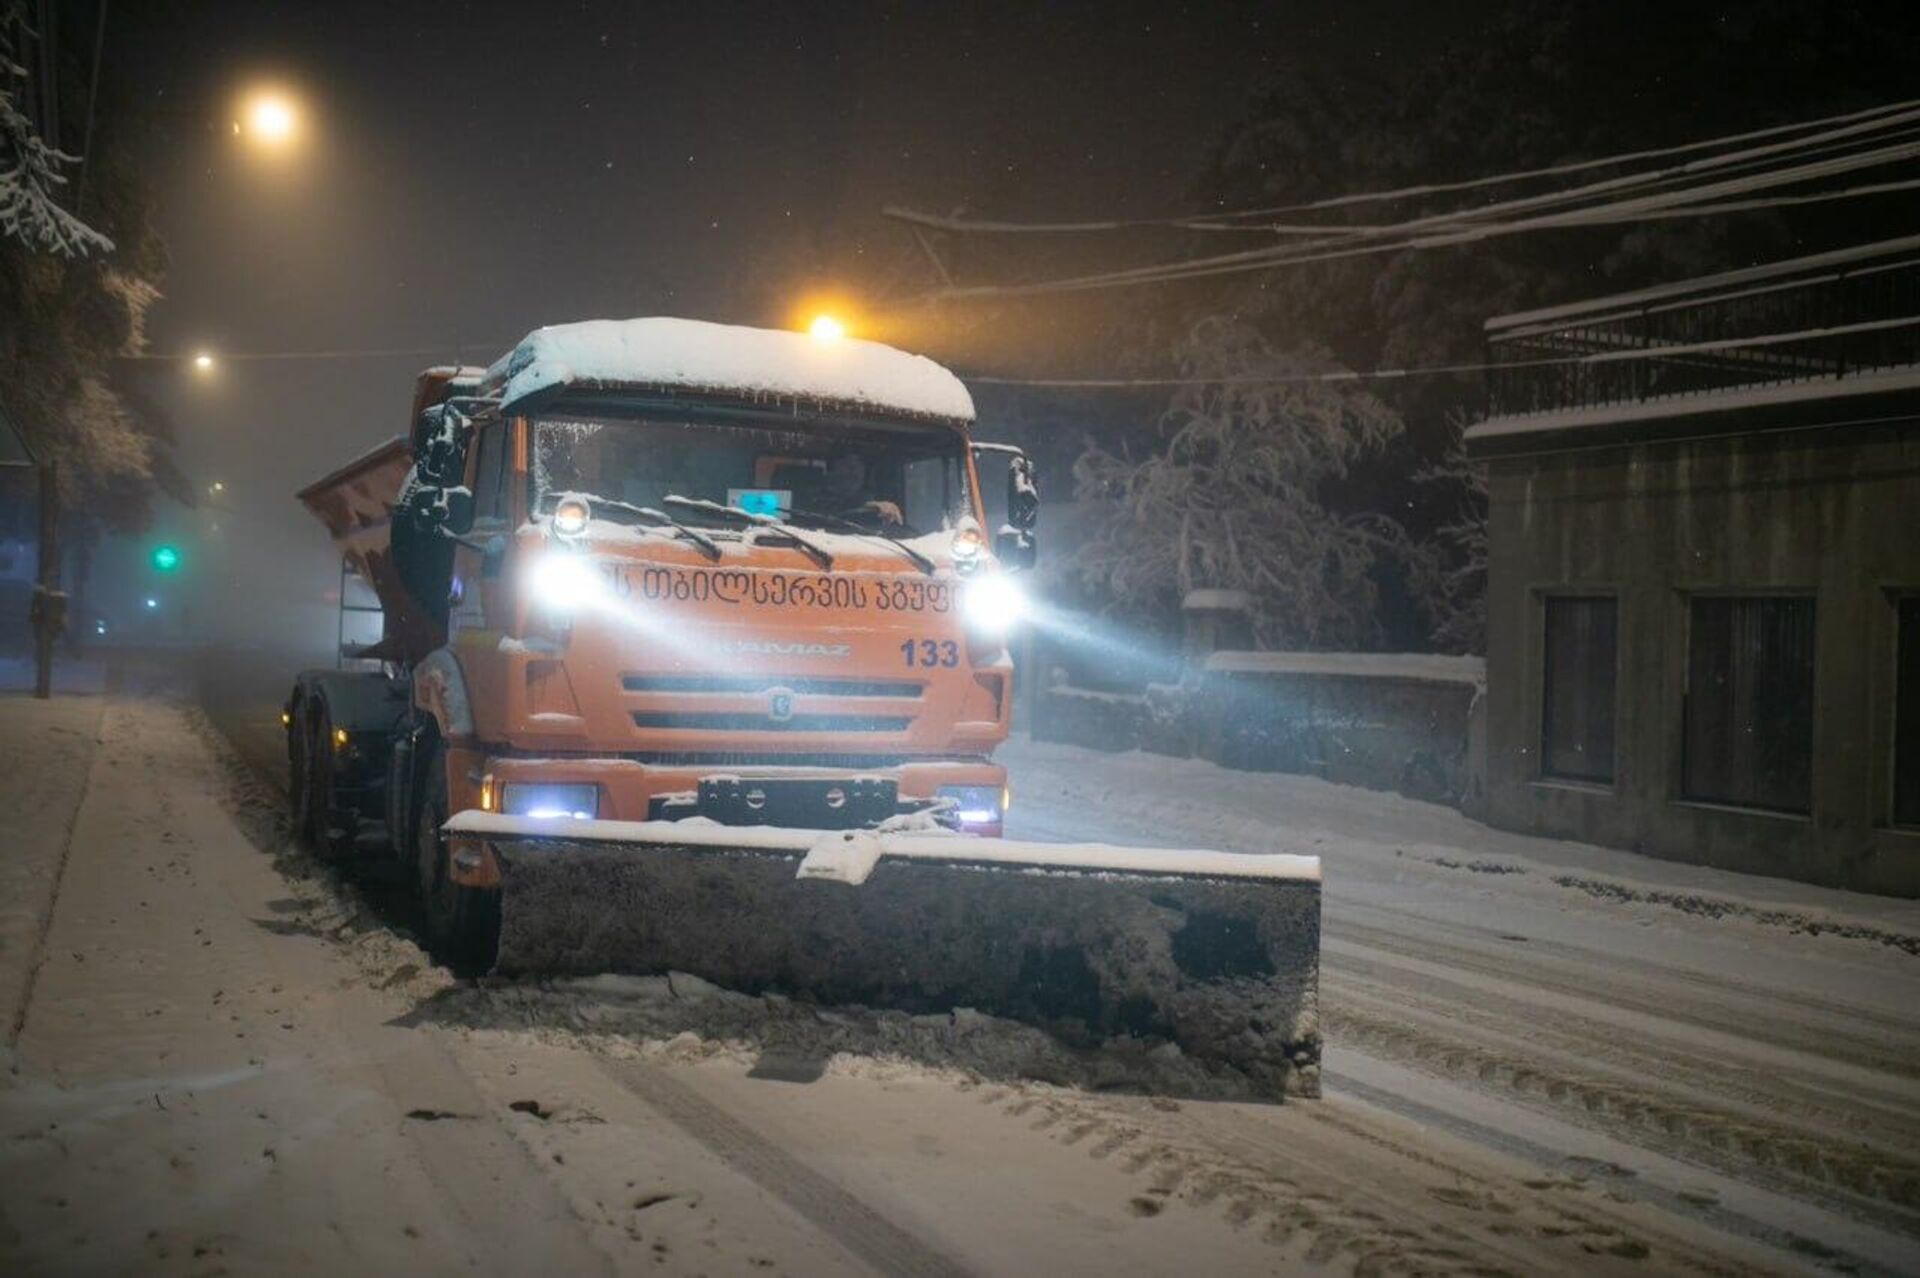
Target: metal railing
x: 1857, y: 318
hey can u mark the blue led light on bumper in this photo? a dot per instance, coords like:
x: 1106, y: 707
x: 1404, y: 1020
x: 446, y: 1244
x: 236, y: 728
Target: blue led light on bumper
x: 545, y: 802
x: 973, y: 805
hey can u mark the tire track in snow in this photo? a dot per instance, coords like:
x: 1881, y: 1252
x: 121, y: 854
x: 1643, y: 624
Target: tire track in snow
x: 1722, y: 1004
x: 1332, y: 1188
x: 1880, y: 1187
x: 1819, y: 1105
x: 1710, y: 1213
x: 852, y: 1223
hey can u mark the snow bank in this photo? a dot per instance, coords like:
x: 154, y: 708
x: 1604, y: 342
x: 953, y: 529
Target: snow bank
x: 696, y: 355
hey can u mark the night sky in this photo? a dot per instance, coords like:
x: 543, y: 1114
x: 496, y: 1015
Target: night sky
x: 471, y: 171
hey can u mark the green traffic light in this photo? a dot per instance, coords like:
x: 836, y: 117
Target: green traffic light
x: 165, y: 558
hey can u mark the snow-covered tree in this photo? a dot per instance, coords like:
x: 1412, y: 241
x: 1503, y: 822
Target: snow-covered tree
x: 30, y: 173
x: 1235, y: 498
x: 1449, y: 574
x: 73, y: 306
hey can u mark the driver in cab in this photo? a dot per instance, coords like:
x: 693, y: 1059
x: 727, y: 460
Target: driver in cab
x: 845, y: 492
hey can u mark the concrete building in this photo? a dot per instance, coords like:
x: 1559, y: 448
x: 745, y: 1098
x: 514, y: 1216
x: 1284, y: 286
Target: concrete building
x: 1704, y: 570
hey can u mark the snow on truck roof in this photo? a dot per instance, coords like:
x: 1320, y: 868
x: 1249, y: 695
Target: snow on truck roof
x: 752, y: 362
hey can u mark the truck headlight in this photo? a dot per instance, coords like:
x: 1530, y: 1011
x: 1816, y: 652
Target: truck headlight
x: 529, y: 799
x: 994, y: 603
x: 969, y: 546
x: 571, y: 515
x: 564, y: 583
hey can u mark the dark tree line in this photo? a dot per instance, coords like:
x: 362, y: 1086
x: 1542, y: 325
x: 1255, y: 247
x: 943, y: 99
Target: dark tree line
x: 1537, y: 85
x: 80, y: 265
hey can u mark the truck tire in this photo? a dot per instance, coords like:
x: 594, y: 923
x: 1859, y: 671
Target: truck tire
x: 299, y: 770
x: 328, y: 841
x: 462, y: 923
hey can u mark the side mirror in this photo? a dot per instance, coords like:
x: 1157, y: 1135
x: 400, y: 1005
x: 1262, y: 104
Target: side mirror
x: 1023, y: 494
x: 1013, y: 545
x: 442, y: 512
x: 440, y: 445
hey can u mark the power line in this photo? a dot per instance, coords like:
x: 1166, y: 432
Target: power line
x: 1477, y: 229
x: 1443, y: 370
x: 1213, y: 220
x: 1450, y: 229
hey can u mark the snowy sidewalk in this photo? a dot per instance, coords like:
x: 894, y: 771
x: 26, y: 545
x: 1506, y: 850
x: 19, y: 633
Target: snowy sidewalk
x: 195, y: 1052
x: 49, y: 746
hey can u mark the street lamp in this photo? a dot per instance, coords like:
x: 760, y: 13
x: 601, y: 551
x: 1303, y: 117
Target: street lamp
x: 825, y: 328
x: 203, y: 363
x: 268, y: 118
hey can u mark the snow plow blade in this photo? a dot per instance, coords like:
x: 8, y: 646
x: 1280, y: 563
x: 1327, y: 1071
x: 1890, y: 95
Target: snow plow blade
x: 1216, y: 952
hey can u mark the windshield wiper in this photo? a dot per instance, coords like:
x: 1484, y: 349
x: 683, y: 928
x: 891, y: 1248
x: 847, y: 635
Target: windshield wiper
x: 661, y: 519
x: 920, y: 561
x: 818, y: 553
x: 694, y: 535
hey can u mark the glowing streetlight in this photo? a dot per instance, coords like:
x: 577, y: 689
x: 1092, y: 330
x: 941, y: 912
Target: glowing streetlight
x: 216, y: 487
x: 825, y: 328
x: 268, y: 118
x: 203, y: 363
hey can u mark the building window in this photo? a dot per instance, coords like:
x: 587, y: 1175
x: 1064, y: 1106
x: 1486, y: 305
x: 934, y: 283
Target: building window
x: 1906, y: 716
x: 1749, y: 703
x: 1576, y: 709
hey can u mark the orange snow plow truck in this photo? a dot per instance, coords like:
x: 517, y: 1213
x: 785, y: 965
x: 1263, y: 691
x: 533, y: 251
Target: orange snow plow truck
x: 694, y: 656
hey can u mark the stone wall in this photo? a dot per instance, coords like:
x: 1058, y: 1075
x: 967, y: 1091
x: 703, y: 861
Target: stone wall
x: 1384, y: 721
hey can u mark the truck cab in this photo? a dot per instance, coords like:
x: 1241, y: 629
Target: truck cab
x: 654, y: 569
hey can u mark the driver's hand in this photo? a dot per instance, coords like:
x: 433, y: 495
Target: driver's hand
x: 887, y: 512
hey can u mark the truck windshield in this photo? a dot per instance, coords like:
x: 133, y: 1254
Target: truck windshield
x: 899, y: 481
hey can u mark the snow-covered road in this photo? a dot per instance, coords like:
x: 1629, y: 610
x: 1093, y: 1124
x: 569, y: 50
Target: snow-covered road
x: 1542, y: 1058
x: 1743, y: 1050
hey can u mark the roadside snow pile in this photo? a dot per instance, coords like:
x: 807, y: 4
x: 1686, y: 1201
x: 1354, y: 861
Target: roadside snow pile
x: 318, y: 903
x: 1808, y: 922
x: 1426, y: 666
x: 755, y: 362
x: 683, y: 1018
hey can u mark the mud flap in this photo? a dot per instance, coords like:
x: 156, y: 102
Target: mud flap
x: 1218, y: 953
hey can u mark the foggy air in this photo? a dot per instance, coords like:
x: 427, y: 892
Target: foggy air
x: 805, y: 639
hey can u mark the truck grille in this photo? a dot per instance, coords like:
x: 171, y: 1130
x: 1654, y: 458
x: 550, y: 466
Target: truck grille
x: 719, y: 721
x: 805, y: 685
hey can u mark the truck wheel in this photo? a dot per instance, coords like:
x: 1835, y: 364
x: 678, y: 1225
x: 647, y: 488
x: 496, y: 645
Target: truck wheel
x: 299, y: 773
x: 327, y: 843
x: 463, y: 923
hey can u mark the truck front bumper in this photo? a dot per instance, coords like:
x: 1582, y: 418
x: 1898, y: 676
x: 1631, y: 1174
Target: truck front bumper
x: 794, y: 795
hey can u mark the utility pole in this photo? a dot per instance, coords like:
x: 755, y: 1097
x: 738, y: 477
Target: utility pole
x: 49, y: 75
x: 93, y: 98
x: 47, y: 613
x: 49, y: 610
